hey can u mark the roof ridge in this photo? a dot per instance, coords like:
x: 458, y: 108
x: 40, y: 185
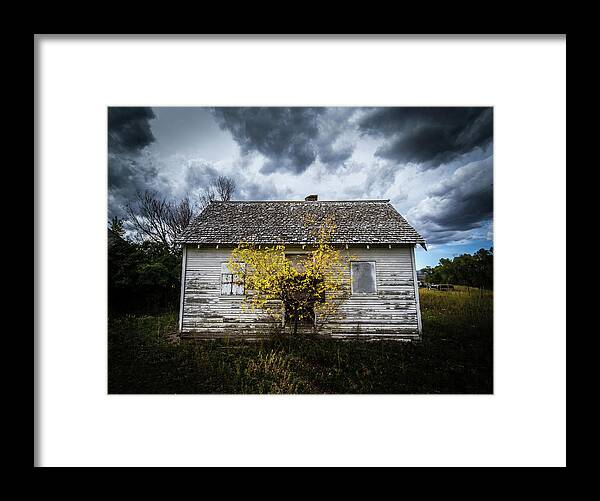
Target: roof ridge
x: 297, y: 201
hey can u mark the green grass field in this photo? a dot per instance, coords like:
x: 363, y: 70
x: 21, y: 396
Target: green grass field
x: 455, y: 356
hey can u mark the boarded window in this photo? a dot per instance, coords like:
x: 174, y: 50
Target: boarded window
x: 231, y: 284
x: 363, y: 277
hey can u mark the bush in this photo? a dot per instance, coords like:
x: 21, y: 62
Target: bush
x: 143, y: 278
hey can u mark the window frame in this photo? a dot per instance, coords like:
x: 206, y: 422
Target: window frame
x: 231, y: 283
x: 367, y: 294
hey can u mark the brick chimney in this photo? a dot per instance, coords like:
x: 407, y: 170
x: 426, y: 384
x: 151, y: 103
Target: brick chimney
x: 311, y: 198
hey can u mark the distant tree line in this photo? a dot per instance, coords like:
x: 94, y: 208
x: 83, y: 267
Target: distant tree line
x: 144, y: 260
x: 474, y: 270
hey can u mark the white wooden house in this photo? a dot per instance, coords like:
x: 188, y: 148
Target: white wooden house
x: 384, y: 300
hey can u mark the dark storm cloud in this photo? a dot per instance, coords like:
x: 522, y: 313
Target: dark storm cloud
x: 458, y: 204
x: 128, y: 175
x: 332, y: 156
x: 129, y: 129
x: 429, y: 136
x: 290, y: 138
x: 129, y: 132
x: 435, y: 164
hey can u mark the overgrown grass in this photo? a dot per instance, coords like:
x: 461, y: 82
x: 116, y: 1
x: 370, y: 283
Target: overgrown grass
x: 455, y: 356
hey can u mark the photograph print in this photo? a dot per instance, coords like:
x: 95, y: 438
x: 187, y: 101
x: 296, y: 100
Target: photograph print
x: 300, y: 250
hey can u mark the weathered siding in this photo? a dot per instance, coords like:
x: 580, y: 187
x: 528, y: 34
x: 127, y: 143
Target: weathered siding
x: 205, y: 311
x: 391, y: 312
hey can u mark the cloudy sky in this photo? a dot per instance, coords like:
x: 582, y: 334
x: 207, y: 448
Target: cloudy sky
x: 434, y: 164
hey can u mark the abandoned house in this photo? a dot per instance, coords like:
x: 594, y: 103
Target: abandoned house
x: 384, y: 296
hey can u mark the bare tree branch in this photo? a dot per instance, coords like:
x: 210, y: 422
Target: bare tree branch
x: 225, y: 187
x: 181, y: 215
x: 221, y: 188
x: 207, y: 196
x: 158, y: 220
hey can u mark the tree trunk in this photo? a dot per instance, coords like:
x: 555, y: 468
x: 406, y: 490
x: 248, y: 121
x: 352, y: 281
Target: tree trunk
x: 295, y: 322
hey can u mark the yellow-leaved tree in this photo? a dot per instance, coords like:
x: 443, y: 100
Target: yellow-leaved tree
x: 305, y: 288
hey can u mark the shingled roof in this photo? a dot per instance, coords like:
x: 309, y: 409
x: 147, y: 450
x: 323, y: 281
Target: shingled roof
x: 284, y: 222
